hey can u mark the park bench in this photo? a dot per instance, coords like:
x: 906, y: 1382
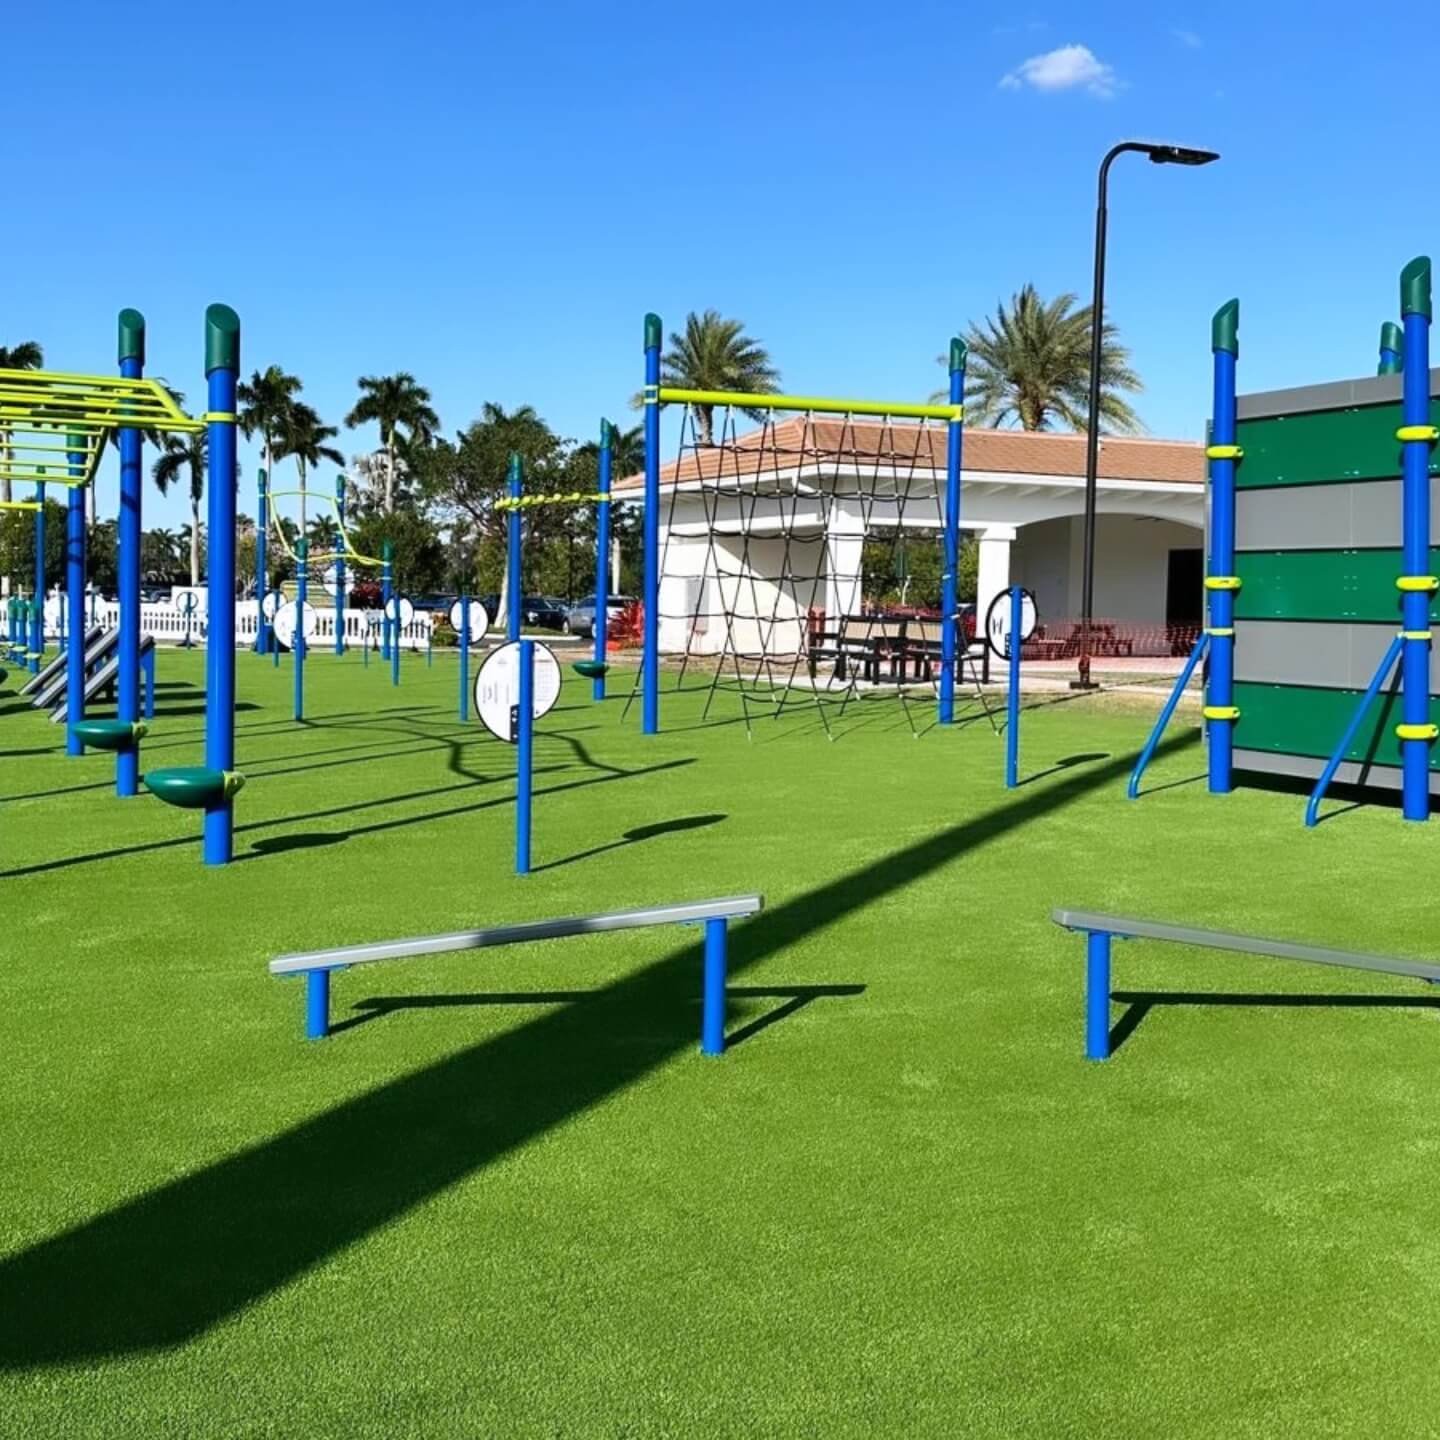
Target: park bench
x: 318, y: 965
x: 1099, y: 930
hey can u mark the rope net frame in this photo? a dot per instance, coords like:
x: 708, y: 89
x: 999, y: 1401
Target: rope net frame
x: 316, y: 557
x: 781, y: 539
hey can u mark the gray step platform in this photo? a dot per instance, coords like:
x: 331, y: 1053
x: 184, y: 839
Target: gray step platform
x: 98, y: 683
x: 57, y: 665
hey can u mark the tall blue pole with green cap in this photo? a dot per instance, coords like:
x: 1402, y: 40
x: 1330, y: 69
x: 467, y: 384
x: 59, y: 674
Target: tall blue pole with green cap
x: 37, y: 611
x: 650, y: 657
x: 1417, y: 585
x: 950, y: 585
x: 1392, y: 350
x: 297, y: 645
x: 387, y: 591
x: 1221, y: 582
x: 127, y: 686
x: 602, y: 554
x: 514, y: 551
x: 222, y: 370
x: 75, y: 599
x: 340, y: 568
x: 262, y: 573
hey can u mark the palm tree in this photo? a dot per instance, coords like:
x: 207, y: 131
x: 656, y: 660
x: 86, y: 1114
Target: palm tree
x: 27, y: 355
x: 397, y: 403
x: 160, y: 551
x: 302, y: 434
x: 1030, y: 366
x: 717, y: 354
x: 182, y: 453
x: 266, y: 400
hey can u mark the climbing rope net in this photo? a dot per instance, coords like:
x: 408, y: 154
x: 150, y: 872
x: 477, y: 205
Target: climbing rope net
x: 315, y: 558
x: 802, y: 554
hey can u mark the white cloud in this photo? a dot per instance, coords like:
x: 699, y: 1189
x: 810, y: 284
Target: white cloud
x: 1188, y: 38
x: 1071, y: 67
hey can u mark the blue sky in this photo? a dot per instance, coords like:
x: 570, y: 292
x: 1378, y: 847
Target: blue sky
x: 491, y: 195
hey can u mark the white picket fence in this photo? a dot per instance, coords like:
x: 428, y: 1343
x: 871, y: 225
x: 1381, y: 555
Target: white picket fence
x: 171, y: 626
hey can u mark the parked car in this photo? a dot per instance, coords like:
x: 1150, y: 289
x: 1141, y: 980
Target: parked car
x: 581, y: 618
x: 545, y: 610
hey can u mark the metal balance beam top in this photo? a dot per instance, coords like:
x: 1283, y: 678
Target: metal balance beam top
x: 317, y: 965
x: 1100, y: 929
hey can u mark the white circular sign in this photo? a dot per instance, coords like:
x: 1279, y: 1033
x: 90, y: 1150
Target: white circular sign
x: 271, y: 602
x: 331, y: 580
x: 497, y: 688
x: 284, y: 623
x: 479, y: 620
x: 399, y: 605
x: 997, y: 621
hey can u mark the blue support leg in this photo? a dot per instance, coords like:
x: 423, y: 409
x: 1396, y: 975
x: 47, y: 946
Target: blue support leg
x: 525, y: 760
x: 712, y: 1007
x: 317, y: 1004
x: 950, y: 594
x: 1012, y: 699
x: 1147, y: 754
x: 1097, y: 995
x: 650, y: 656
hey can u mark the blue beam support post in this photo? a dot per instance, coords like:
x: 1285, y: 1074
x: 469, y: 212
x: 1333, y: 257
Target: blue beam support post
x: 37, y: 612
x: 514, y: 553
x: 297, y: 645
x: 387, y: 591
x: 1097, y: 995
x: 950, y: 584
x: 712, y: 1000
x: 464, y: 658
x: 650, y: 660
x: 524, y: 758
x: 1012, y: 698
x: 317, y: 1004
x: 602, y: 554
x: 1221, y: 582
x: 1417, y: 585
x: 75, y: 600
x: 340, y: 568
x: 262, y: 574
x: 131, y: 441
x: 222, y: 368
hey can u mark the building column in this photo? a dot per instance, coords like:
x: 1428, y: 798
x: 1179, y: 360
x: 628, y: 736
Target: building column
x: 843, y: 563
x: 993, y: 577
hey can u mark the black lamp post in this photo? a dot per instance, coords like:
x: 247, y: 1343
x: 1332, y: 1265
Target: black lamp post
x: 1159, y: 155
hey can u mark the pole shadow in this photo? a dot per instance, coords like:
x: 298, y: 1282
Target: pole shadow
x: 1089, y: 757
x: 634, y: 837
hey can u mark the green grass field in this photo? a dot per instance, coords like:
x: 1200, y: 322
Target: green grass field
x: 509, y: 1198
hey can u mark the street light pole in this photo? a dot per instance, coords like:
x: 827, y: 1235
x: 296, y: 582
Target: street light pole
x: 1159, y: 155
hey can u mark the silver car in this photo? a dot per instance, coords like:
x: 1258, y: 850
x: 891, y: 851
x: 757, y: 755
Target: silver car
x: 580, y: 620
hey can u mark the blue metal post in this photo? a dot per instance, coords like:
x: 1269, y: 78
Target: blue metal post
x: 395, y: 641
x: 1097, y: 995
x: 1221, y: 582
x: 712, y: 1002
x: 302, y: 593
x: 464, y: 657
x: 950, y: 585
x: 1417, y: 584
x: 340, y: 568
x: 147, y: 672
x: 317, y: 1004
x: 602, y: 555
x: 75, y: 600
x: 650, y: 660
x: 514, y: 541
x: 524, y: 770
x: 1347, y: 736
x: 1012, y: 699
x: 127, y: 654
x: 262, y: 577
x: 1132, y: 790
x: 222, y: 367
x: 37, y: 621
x: 1392, y: 356
x: 387, y: 589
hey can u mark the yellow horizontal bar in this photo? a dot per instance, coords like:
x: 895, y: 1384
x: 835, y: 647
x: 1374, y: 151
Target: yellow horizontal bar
x: 1221, y: 712
x: 1417, y: 582
x: 821, y: 405
x: 1223, y: 452
x: 20, y: 505
x: 1416, y: 732
x: 1407, y: 433
x: 26, y: 446
x: 1222, y: 582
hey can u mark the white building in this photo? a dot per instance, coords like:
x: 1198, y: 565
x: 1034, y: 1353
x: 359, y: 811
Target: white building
x: 768, y: 528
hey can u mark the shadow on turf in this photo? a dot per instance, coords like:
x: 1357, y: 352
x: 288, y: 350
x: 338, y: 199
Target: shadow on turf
x: 157, y: 1270
x: 1140, y: 1003
x: 1090, y: 757
x: 796, y: 998
x: 636, y: 836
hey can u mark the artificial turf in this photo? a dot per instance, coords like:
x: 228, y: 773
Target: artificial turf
x: 509, y: 1198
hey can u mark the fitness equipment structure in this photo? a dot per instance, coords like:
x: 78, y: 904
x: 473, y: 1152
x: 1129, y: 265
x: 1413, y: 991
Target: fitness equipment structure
x: 787, y: 513
x: 1010, y: 621
x: 1311, y: 489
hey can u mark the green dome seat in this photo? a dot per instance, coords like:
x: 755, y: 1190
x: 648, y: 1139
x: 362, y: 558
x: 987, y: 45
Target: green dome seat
x: 193, y: 787
x: 107, y: 734
x: 590, y: 669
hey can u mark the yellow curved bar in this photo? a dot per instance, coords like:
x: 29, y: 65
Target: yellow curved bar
x: 1414, y: 634
x: 1417, y: 732
x: 1221, y: 712
x: 1222, y: 582
x: 1418, y: 432
x: 525, y: 502
x: 1224, y: 452
x: 1225, y: 631
x: 1417, y: 582
x: 822, y: 405
x: 20, y: 505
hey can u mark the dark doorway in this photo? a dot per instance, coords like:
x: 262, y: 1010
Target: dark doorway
x: 1184, y: 598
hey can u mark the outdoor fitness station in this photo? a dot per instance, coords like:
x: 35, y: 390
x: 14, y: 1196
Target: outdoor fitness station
x: 1320, y: 583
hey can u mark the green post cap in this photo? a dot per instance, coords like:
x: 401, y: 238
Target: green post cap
x: 605, y: 429
x: 1225, y: 328
x: 958, y: 351
x: 1415, y: 287
x: 387, y: 552
x: 222, y: 339
x: 74, y: 441
x: 1392, y: 338
x: 132, y: 336
x: 302, y: 547
x: 264, y: 479
x: 652, y: 332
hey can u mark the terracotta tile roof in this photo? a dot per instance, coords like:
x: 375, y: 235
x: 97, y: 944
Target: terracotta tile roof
x: 924, y: 447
